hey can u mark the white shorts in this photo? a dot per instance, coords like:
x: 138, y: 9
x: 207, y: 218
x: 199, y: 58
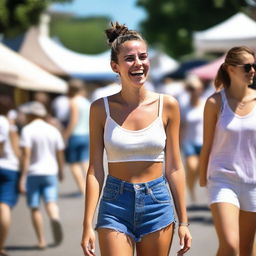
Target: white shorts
x: 241, y: 195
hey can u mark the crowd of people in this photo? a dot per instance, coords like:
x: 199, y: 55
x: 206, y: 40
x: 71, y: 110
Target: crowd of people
x: 36, y: 142
x: 145, y: 134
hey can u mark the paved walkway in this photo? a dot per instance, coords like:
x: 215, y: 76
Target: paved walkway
x: 22, y: 241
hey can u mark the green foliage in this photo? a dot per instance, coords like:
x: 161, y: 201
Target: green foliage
x: 84, y: 35
x: 3, y: 13
x: 170, y: 23
x: 17, y: 15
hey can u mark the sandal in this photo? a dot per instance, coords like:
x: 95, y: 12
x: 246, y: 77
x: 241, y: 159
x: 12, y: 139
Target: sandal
x: 57, y: 231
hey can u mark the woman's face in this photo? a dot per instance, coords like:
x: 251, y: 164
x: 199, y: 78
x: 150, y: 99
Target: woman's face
x: 194, y: 91
x: 133, y: 62
x: 242, y: 72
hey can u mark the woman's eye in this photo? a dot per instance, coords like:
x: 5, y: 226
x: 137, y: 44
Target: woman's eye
x: 144, y: 57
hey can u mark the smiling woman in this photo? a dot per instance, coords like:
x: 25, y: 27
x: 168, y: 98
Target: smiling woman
x: 129, y: 57
x: 139, y: 130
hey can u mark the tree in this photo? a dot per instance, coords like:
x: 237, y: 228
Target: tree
x: 170, y: 23
x: 17, y: 15
x: 81, y: 34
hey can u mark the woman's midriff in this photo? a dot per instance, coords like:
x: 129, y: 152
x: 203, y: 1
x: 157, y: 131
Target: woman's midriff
x: 136, y: 172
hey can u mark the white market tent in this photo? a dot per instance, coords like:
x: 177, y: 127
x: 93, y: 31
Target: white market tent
x: 236, y: 31
x: 52, y: 56
x: 161, y: 64
x: 39, y: 48
x: 17, y: 71
x: 31, y: 49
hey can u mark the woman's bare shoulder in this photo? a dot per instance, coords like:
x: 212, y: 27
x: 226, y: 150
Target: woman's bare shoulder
x: 214, y: 101
x: 97, y: 109
x: 170, y: 101
x: 171, y: 110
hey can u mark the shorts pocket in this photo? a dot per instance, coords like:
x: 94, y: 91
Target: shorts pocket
x: 161, y: 194
x: 111, y: 192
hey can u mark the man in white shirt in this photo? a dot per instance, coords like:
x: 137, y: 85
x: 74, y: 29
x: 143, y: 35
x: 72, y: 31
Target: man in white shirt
x: 41, y: 165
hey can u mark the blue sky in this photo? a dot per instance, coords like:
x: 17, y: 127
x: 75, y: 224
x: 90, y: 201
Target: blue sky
x: 123, y: 11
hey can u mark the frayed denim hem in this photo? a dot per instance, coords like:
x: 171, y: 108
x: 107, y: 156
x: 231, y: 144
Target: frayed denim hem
x: 118, y: 231
x: 132, y: 236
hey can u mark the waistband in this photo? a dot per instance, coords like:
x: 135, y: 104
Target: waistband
x: 135, y: 186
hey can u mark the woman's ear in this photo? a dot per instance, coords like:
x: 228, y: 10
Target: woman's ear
x: 230, y: 69
x: 114, y: 66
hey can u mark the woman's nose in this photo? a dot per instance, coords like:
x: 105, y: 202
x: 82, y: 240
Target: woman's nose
x: 138, y: 61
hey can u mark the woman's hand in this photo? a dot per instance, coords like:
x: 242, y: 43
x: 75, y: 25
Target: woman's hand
x: 21, y: 185
x: 88, y: 242
x: 185, y: 240
x: 202, y: 181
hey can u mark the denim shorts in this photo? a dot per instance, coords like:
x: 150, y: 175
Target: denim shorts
x: 41, y: 186
x: 77, y: 149
x: 9, y: 186
x: 135, y: 209
x: 191, y: 149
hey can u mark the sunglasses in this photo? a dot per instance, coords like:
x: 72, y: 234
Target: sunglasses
x: 248, y: 67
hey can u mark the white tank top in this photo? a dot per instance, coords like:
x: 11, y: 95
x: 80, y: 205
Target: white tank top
x: 8, y: 160
x: 233, y: 152
x: 123, y: 145
x: 192, y: 116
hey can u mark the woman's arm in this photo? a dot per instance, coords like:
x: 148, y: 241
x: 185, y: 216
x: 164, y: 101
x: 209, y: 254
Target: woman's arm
x: 73, y: 118
x: 14, y: 139
x: 24, y: 165
x: 60, y: 160
x: 174, y: 170
x: 1, y: 149
x: 182, y: 130
x: 95, y: 174
x: 211, y: 111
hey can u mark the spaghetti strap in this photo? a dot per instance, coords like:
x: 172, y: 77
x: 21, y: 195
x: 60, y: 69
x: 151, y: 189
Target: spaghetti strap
x: 106, y: 105
x: 223, y: 96
x: 160, y: 107
x: 223, y: 100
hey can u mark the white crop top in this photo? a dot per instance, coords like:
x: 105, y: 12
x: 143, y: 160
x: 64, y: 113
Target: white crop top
x: 123, y: 145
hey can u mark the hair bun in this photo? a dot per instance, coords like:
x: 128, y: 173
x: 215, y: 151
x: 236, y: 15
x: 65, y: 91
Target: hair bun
x: 115, y: 31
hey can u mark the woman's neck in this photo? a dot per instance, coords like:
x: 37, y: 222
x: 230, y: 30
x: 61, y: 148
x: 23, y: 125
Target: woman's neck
x: 194, y: 100
x: 238, y: 92
x: 133, y: 96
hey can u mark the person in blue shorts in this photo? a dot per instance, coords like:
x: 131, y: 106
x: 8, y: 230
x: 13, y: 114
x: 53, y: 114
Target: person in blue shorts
x: 76, y: 134
x: 9, y: 170
x: 42, y: 164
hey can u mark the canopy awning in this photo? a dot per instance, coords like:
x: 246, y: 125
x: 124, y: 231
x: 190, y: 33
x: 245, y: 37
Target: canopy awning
x: 208, y: 71
x: 19, y: 72
x: 236, y: 31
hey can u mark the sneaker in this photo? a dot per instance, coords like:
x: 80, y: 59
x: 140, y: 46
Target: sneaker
x: 56, y: 231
